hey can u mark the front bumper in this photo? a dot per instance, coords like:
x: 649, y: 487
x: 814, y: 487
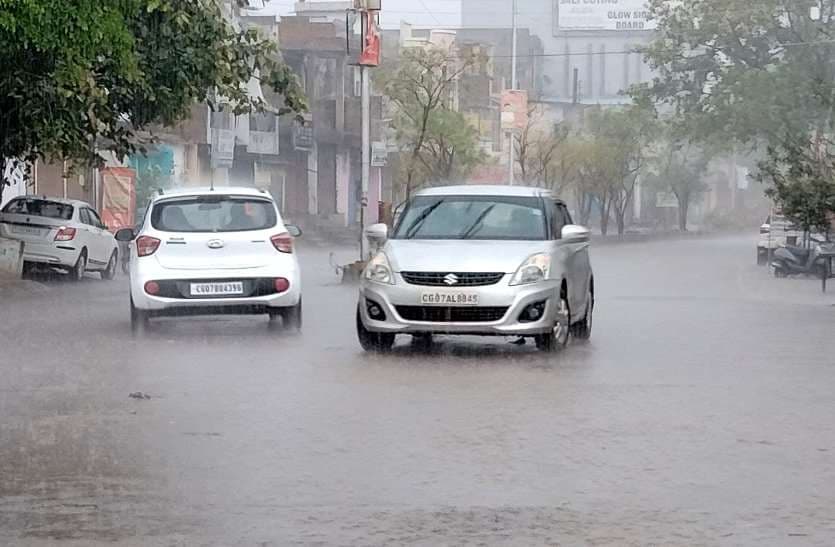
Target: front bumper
x: 394, y: 299
x: 256, y: 278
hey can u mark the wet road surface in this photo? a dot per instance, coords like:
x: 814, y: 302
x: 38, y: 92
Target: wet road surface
x: 700, y: 414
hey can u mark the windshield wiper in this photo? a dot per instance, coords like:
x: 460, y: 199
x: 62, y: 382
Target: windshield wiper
x: 414, y: 227
x: 477, y: 224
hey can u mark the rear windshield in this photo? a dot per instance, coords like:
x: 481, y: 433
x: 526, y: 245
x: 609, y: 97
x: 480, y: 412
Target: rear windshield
x: 39, y: 208
x: 213, y: 214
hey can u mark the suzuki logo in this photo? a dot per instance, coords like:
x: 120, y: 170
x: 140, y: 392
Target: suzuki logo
x: 215, y: 244
x: 451, y: 279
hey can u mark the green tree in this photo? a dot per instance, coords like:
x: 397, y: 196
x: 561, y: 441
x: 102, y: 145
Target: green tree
x: 420, y: 87
x: 620, y: 141
x: 450, y: 150
x: 759, y: 74
x: 89, y: 75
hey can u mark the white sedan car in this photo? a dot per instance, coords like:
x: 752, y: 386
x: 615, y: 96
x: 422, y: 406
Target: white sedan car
x: 214, y: 251
x: 60, y: 233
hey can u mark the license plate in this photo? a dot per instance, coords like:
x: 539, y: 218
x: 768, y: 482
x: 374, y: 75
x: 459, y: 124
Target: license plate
x: 441, y: 298
x: 26, y: 230
x: 217, y: 289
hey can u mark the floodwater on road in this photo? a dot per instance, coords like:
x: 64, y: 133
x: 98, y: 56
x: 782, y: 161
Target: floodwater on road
x: 701, y: 413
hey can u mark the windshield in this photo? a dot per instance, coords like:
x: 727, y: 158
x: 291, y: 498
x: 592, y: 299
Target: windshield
x: 39, y: 208
x: 473, y: 217
x: 213, y: 214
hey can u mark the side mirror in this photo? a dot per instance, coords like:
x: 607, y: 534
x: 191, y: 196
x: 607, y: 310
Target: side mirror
x: 574, y: 233
x: 125, y: 234
x: 377, y: 233
x: 293, y: 230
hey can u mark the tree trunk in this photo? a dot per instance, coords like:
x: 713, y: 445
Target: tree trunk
x: 585, y: 204
x: 604, y: 216
x: 683, y: 209
x: 2, y: 177
x: 620, y: 218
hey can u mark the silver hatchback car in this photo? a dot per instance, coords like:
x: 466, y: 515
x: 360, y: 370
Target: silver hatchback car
x: 478, y: 260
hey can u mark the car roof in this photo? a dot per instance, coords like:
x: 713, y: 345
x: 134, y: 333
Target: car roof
x: 217, y: 190
x: 486, y: 190
x: 64, y: 201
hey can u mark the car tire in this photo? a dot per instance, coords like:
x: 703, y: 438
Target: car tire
x: 582, y: 329
x: 109, y: 273
x: 77, y: 271
x: 556, y: 340
x: 780, y: 272
x: 138, y: 319
x: 292, y: 318
x: 377, y: 342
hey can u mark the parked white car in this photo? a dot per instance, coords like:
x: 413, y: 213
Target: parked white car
x: 478, y: 260
x: 214, y: 251
x: 65, y: 234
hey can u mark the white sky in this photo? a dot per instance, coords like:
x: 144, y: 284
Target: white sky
x: 443, y: 13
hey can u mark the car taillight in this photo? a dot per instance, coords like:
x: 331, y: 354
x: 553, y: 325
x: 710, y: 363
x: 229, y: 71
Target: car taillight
x: 146, y: 246
x: 282, y: 285
x: 283, y: 243
x: 65, y: 234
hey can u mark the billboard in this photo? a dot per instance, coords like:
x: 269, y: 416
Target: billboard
x: 514, y: 110
x: 118, y: 197
x: 617, y: 15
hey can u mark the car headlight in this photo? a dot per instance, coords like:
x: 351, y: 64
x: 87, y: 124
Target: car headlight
x: 533, y: 270
x: 378, y: 270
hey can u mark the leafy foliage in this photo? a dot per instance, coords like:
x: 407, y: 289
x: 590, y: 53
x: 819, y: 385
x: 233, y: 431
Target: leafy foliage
x: 82, y: 76
x: 753, y: 73
x: 420, y: 88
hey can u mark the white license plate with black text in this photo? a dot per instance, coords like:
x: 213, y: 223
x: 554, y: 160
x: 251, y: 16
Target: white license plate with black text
x: 449, y: 298
x: 26, y: 230
x: 226, y: 288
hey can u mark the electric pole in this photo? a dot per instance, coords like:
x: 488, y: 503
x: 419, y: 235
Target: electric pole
x: 513, y: 85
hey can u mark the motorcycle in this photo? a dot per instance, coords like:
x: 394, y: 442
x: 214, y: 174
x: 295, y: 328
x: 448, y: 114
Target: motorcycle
x: 793, y: 260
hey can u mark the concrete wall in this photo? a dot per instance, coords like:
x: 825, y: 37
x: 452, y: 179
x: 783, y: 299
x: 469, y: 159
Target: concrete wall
x: 11, y: 258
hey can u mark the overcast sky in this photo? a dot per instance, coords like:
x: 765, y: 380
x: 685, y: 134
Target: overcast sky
x: 446, y: 13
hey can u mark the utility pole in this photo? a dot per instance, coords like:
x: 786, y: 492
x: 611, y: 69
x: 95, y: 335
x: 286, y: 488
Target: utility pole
x: 369, y: 57
x: 513, y: 85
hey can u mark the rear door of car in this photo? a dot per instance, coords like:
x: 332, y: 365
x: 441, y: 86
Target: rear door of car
x: 90, y: 239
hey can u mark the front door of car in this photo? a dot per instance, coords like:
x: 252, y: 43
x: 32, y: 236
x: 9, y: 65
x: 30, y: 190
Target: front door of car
x: 573, y: 259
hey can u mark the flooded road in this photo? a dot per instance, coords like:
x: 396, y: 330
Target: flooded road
x: 700, y: 414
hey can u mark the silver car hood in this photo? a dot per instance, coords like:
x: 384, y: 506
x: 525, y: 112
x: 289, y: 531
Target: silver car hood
x: 460, y: 256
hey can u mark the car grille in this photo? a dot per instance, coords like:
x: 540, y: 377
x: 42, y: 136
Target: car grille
x: 181, y: 288
x: 444, y: 279
x: 439, y: 314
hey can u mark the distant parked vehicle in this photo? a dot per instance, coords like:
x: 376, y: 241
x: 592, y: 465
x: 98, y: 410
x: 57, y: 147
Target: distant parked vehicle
x: 61, y: 233
x: 793, y: 260
x: 777, y: 231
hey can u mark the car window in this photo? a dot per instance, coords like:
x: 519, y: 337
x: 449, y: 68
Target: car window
x: 39, y: 208
x: 473, y: 217
x: 95, y: 220
x: 213, y: 214
x: 84, y: 216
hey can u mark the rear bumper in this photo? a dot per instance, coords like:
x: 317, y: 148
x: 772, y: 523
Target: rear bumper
x: 64, y: 255
x: 236, y: 305
x: 516, y: 300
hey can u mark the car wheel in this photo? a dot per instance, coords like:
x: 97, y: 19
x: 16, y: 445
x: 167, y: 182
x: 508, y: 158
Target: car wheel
x: 77, y: 271
x: 138, y: 319
x: 582, y: 330
x: 555, y: 340
x: 292, y: 317
x: 780, y: 272
x: 378, y: 342
x: 109, y: 273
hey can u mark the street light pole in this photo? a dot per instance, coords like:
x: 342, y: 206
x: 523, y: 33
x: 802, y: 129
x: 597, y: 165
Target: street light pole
x: 513, y: 85
x: 366, y: 151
